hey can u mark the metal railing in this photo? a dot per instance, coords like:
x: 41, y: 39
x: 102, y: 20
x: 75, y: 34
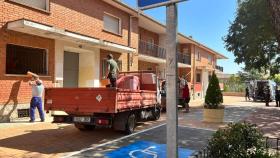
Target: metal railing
x: 151, y: 49
x: 272, y: 146
x: 154, y: 50
x: 184, y: 58
x: 220, y: 68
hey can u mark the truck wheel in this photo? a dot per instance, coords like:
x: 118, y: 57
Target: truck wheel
x: 156, y: 113
x: 83, y: 127
x: 130, y: 124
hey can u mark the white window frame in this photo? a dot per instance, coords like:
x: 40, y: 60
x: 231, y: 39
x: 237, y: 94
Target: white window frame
x: 37, y: 8
x: 120, y: 24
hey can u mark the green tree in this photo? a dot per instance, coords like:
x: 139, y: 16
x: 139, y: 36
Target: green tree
x: 252, y: 38
x: 214, y: 96
x: 277, y: 78
x: 274, y: 6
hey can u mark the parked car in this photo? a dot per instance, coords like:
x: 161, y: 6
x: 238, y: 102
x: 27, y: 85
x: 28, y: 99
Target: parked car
x: 259, y: 89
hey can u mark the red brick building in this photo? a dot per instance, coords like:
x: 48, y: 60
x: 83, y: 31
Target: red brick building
x: 66, y: 43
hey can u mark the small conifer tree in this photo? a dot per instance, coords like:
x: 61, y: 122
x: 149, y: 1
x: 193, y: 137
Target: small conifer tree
x: 214, y: 96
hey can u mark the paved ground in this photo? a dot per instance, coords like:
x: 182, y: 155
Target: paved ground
x: 57, y: 140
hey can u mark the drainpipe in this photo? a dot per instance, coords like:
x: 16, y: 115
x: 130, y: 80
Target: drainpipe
x: 130, y: 55
x: 194, y: 71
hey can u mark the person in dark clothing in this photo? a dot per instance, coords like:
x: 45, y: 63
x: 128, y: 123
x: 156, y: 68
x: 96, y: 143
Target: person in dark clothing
x: 186, y: 97
x: 112, y: 70
x: 277, y: 96
x: 267, y: 95
x: 247, y: 94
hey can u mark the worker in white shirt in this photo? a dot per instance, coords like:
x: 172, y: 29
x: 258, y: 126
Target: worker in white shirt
x: 36, y: 101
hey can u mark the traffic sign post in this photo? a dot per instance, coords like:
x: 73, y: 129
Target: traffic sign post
x: 171, y: 69
x: 171, y: 80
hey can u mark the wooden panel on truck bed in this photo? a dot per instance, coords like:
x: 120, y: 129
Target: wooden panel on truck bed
x: 81, y: 100
x: 128, y: 99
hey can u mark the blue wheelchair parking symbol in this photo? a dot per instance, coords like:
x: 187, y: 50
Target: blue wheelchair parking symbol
x: 145, y: 149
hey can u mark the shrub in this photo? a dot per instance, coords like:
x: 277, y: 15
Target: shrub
x: 240, y: 140
x: 214, y: 96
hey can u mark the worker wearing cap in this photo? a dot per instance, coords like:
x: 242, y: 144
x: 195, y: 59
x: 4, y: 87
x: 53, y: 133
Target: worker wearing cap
x: 112, y: 70
x: 36, y: 101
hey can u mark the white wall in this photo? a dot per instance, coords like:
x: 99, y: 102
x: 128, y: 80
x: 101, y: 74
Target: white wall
x: 89, y: 68
x: 89, y: 63
x: 205, y: 81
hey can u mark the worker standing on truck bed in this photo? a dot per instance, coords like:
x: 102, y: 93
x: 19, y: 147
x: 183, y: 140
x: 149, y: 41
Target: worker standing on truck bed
x: 112, y: 70
x: 36, y: 101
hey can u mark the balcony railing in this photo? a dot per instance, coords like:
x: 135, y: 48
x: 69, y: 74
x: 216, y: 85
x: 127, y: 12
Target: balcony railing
x: 184, y: 58
x: 153, y: 50
x: 220, y: 68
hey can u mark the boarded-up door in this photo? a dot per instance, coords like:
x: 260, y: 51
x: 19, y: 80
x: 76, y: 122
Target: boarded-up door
x: 71, y: 69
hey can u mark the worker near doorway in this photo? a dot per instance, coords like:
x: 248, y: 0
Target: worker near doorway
x: 37, y: 93
x: 113, y: 69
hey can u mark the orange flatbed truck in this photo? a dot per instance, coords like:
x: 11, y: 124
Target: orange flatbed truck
x: 115, y: 108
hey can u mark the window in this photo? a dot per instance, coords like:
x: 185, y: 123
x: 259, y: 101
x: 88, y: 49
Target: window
x: 37, y: 4
x: 197, y: 56
x: 210, y: 59
x: 112, y: 24
x: 105, y: 67
x: 198, y: 77
x: 20, y: 59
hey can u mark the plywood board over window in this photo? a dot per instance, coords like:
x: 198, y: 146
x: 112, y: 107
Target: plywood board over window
x: 20, y: 59
x: 43, y: 5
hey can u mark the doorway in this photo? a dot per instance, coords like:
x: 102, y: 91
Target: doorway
x: 71, y: 70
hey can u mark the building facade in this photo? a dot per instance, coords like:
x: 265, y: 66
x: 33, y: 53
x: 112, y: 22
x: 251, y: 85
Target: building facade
x: 66, y: 42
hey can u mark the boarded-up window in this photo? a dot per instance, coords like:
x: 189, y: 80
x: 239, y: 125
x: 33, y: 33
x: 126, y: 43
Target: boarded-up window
x: 112, y: 24
x: 20, y: 59
x: 37, y: 4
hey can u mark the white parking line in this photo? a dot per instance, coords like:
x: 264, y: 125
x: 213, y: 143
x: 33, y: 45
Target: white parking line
x: 115, y: 140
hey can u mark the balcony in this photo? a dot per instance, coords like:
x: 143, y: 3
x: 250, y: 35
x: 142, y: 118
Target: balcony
x: 153, y: 50
x: 220, y: 68
x: 184, y: 58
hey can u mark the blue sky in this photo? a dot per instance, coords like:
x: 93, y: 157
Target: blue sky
x: 207, y: 21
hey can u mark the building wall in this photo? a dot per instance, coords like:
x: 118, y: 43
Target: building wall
x: 84, y: 17
x: 16, y: 87
x: 145, y: 35
x: 143, y: 65
x: 204, y: 59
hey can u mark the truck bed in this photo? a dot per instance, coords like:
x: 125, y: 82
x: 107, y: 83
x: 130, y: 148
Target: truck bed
x: 86, y: 101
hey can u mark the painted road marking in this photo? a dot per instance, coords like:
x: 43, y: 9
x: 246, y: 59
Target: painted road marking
x: 115, y: 140
x: 73, y: 154
x: 145, y: 149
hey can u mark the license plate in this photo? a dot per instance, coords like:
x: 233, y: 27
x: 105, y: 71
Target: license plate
x: 82, y: 119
